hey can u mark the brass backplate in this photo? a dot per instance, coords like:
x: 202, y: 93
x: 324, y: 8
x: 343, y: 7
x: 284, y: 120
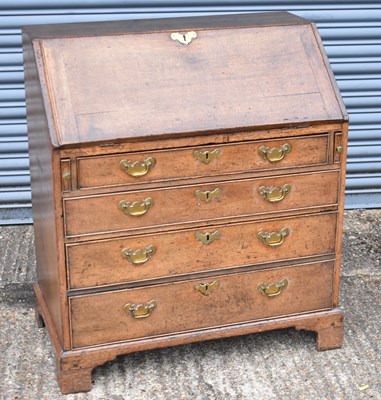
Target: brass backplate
x: 272, y: 289
x: 139, y: 256
x: 137, y: 208
x: 274, y: 154
x: 208, y: 195
x: 208, y: 237
x: 207, y: 288
x: 273, y: 239
x: 274, y: 194
x: 184, y: 38
x: 140, y: 311
x: 137, y: 168
x: 206, y: 156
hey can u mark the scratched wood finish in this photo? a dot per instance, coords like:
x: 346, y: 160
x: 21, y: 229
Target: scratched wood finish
x: 101, y: 262
x: 74, y: 367
x: 341, y: 192
x: 200, y: 139
x: 94, y: 214
x: 177, y: 163
x: 100, y: 318
x: 223, y: 89
x: 99, y: 92
x: 46, y: 207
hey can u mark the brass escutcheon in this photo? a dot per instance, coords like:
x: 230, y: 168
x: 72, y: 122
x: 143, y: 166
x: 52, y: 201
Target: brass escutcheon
x: 206, y: 156
x: 140, y: 256
x: 272, y: 289
x: 137, y: 168
x: 207, y: 288
x: 207, y: 237
x: 274, y: 194
x: 140, y: 311
x: 273, y: 239
x: 184, y: 38
x: 137, y: 208
x: 207, y: 195
x: 274, y: 154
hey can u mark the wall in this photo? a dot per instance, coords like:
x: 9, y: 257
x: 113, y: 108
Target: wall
x: 351, y: 32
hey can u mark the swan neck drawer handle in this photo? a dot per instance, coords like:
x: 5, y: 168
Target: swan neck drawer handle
x: 140, y: 256
x: 274, y: 194
x: 137, y: 208
x: 273, y: 239
x: 137, y: 168
x: 140, y: 311
x: 272, y: 289
x: 274, y: 154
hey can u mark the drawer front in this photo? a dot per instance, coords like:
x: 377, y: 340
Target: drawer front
x: 150, y: 256
x: 123, y: 169
x: 178, y: 307
x: 193, y: 203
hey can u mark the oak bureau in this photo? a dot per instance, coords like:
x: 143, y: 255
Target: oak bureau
x: 187, y: 181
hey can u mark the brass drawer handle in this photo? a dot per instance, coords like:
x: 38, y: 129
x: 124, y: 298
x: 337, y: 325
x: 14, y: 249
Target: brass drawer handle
x: 137, y: 168
x: 207, y: 288
x: 207, y: 195
x: 272, y: 289
x: 206, y: 156
x: 140, y: 311
x: 274, y: 154
x: 140, y: 256
x: 274, y: 194
x: 137, y: 208
x: 273, y: 239
x: 207, y: 237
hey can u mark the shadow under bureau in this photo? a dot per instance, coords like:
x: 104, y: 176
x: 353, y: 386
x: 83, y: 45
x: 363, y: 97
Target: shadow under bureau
x: 187, y: 181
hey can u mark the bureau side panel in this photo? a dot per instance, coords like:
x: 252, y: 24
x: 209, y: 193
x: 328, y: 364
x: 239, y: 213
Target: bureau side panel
x: 44, y: 164
x: 341, y: 140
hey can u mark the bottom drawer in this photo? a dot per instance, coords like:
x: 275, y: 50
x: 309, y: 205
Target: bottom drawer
x: 177, y: 307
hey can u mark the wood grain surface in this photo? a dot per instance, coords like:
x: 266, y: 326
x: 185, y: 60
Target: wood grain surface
x: 177, y: 163
x: 176, y: 205
x: 46, y: 197
x: 100, y: 318
x: 94, y: 99
x: 99, y: 93
x: 100, y: 262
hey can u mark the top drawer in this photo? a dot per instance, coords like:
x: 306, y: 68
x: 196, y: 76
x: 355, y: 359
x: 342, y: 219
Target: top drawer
x: 164, y: 165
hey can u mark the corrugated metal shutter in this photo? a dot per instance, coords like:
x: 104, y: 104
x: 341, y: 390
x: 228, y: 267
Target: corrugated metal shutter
x: 351, y: 32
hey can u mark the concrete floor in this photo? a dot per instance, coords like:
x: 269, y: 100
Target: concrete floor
x: 272, y: 365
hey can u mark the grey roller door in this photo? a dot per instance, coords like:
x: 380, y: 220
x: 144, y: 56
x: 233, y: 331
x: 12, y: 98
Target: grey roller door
x: 351, y: 32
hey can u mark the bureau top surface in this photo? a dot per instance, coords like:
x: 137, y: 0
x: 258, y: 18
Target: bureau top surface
x: 139, y: 80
